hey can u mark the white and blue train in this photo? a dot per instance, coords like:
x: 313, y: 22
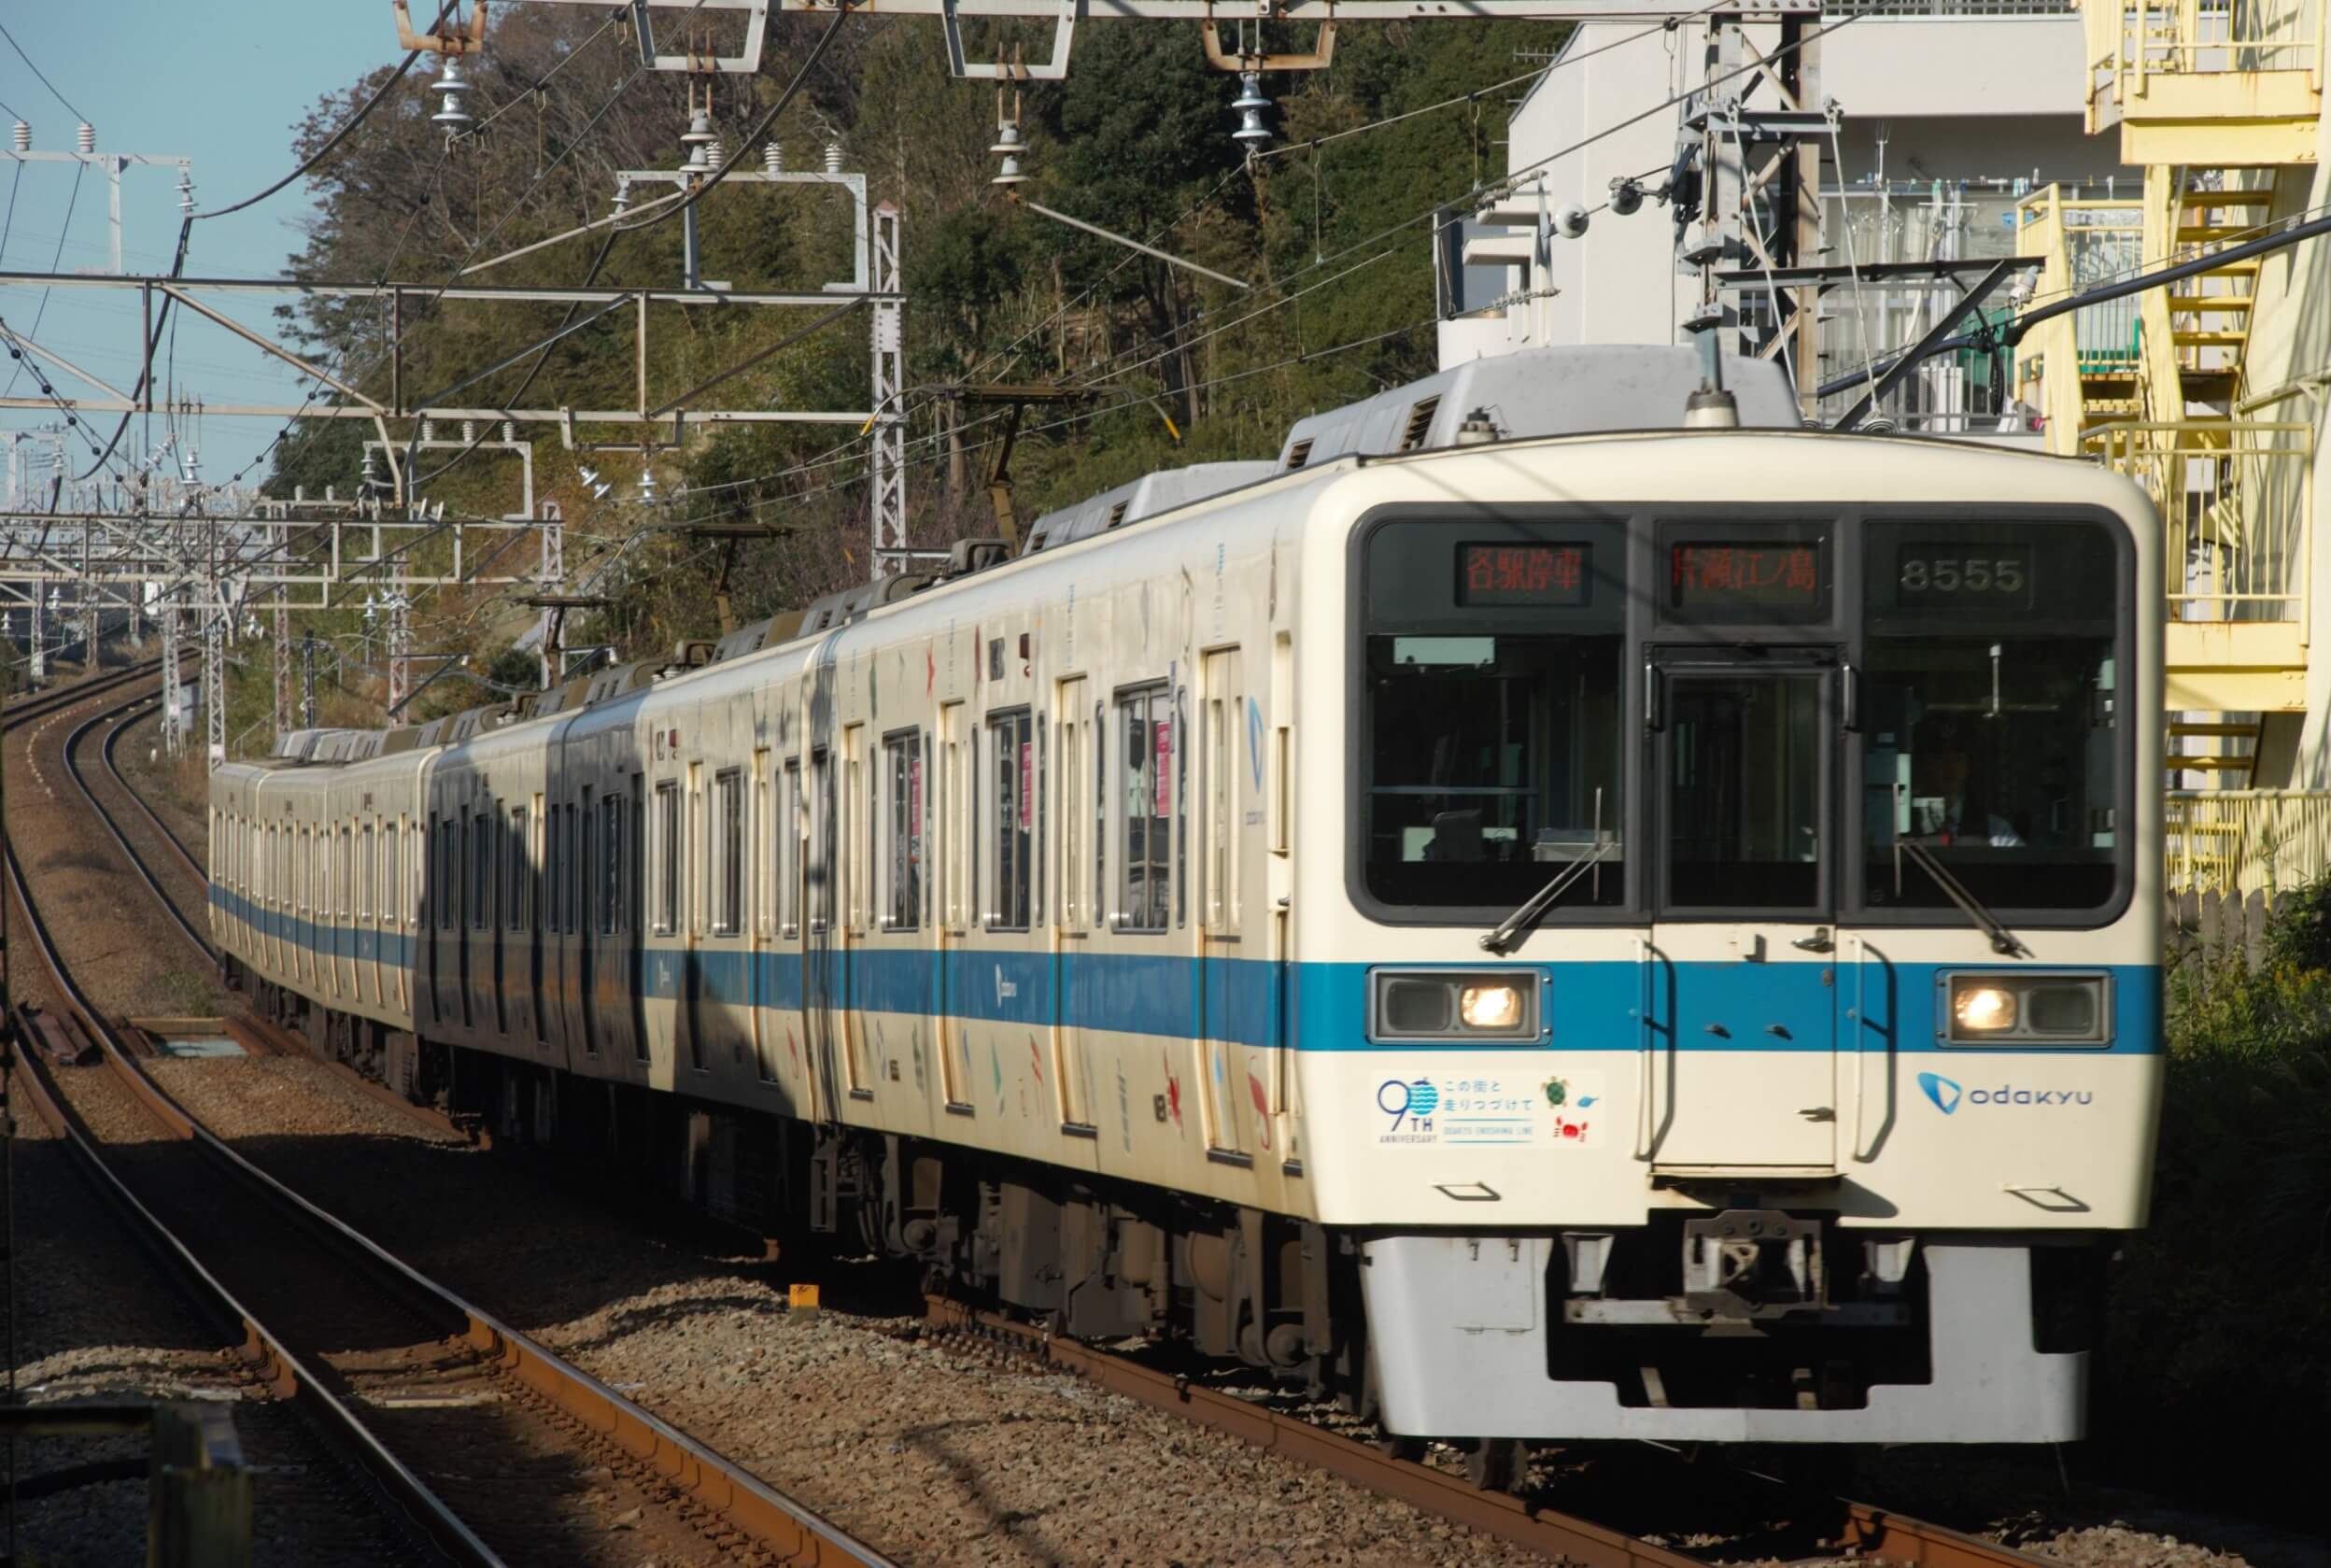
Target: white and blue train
x: 1549, y: 924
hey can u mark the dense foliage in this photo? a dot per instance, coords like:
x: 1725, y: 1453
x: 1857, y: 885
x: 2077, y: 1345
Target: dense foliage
x: 2219, y: 1341
x: 1175, y: 368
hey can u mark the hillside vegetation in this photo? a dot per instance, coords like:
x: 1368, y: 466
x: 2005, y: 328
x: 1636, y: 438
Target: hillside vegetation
x: 1136, y: 139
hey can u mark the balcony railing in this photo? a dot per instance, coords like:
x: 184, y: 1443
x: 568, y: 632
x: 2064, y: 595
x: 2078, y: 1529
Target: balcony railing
x: 2087, y: 240
x: 2246, y: 841
x: 2131, y: 41
x: 2235, y: 499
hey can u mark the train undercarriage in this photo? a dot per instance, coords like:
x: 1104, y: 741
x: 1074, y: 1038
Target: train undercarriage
x: 1746, y: 1315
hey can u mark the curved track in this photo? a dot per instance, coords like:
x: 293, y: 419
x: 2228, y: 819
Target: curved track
x: 469, y: 1428
x: 119, y: 717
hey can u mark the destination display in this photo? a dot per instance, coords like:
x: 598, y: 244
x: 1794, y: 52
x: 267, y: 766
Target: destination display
x: 1552, y: 575
x: 1758, y: 578
x: 1966, y: 576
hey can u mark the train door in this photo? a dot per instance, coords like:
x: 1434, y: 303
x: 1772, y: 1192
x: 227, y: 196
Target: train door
x: 756, y: 870
x: 588, y: 919
x: 959, y: 823
x: 1222, y: 928
x: 503, y: 906
x: 818, y: 961
x: 854, y: 822
x: 634, y: 916
x: 695, y: 1018
x: 530, y: 853
x: 1739, y: 984
x: 1071, y: 923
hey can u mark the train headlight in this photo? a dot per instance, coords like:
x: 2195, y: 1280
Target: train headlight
x: 1495, y: 1008
x: 1983, y: 1009
x: 1443, y: 1007
x: 2026, y: 1009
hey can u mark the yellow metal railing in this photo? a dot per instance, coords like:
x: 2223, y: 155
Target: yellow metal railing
x: 2235, y: 499
x: 2246, y: 841
x: 2127, y: 42
x: 2085, y: 242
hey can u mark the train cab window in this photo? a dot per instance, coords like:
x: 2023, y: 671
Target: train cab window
x: 670, y: 857
x: 1492, y: 713
x: 1145, y: 752
x: 902, y: 832
x: 1990, y: 720
x: 1010, y: 834
x: 728, y: 853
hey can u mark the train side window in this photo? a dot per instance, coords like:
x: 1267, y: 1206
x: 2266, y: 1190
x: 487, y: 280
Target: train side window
x: 728, y: 853
x: 668, y: 857
x: 902, y: 828
x: 952, y: 828
x: 1145, y: 876
x: 786, y: 852
x: 342, y: 878
x: 590, y: 892
x: 364, y: 873
x: 392, y: 903
x: 1011, y: 822
x: 484, y: 863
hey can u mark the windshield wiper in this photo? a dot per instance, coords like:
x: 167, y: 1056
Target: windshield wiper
x: 1510, y: 930
x: 2002, y: 939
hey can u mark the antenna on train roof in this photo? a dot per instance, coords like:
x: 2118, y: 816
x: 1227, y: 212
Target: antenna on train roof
x: 1711, y: 408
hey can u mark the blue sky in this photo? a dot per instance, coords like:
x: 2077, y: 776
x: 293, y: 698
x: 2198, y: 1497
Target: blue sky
x: 222, y: 84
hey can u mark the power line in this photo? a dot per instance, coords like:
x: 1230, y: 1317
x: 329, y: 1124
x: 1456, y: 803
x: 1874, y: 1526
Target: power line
x: 42, y: 75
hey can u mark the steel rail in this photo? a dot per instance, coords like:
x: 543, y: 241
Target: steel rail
x: 186, y: 856
x: 1862, y: 1530
x: 106, y: 820
x: 792, y: 1531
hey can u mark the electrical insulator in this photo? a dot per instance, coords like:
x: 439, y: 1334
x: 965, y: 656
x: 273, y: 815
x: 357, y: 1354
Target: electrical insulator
x: 1626, y: 197
x: 85, y: 134
x: 468, y: 432
x: 450, y: 90
x: 623, y: 197
x: 833, y: 158
x: 647, y: 484
x: 1008, y: 148
x: 429, y: 430
x: 774, y: 158
x: 509, y: 432
x: 24, y: 136
x: 185, y: 192
x: 698, y: 140
x: 1252, y: 105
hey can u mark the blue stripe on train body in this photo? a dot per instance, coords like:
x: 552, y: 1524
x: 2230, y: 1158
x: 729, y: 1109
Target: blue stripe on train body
x: 1309, y: 1006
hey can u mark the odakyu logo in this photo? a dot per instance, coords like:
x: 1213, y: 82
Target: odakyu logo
x: 1948, y: 1096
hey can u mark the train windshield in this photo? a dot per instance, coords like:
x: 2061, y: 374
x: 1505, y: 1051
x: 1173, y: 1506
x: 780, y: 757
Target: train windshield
x: 1493, y: 761
x: 1989, y: 718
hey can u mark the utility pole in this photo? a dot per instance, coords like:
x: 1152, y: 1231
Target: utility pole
x: 887, y: 464
x: 307, y: 680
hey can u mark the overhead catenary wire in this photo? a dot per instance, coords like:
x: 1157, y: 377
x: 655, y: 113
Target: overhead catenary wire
x: 42, y: 75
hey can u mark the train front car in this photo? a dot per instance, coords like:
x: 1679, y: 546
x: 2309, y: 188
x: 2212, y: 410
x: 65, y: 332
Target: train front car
x: 1758, y: 1036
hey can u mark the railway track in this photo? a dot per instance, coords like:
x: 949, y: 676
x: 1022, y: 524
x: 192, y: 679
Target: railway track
x: 117, y: 719
x: 493, y: 1450
x: 1825, y: 1527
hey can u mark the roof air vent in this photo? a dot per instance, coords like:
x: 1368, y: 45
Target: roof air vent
x: 1299, y: 454
x: 1116, y: 514
x: 1420, y: 424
